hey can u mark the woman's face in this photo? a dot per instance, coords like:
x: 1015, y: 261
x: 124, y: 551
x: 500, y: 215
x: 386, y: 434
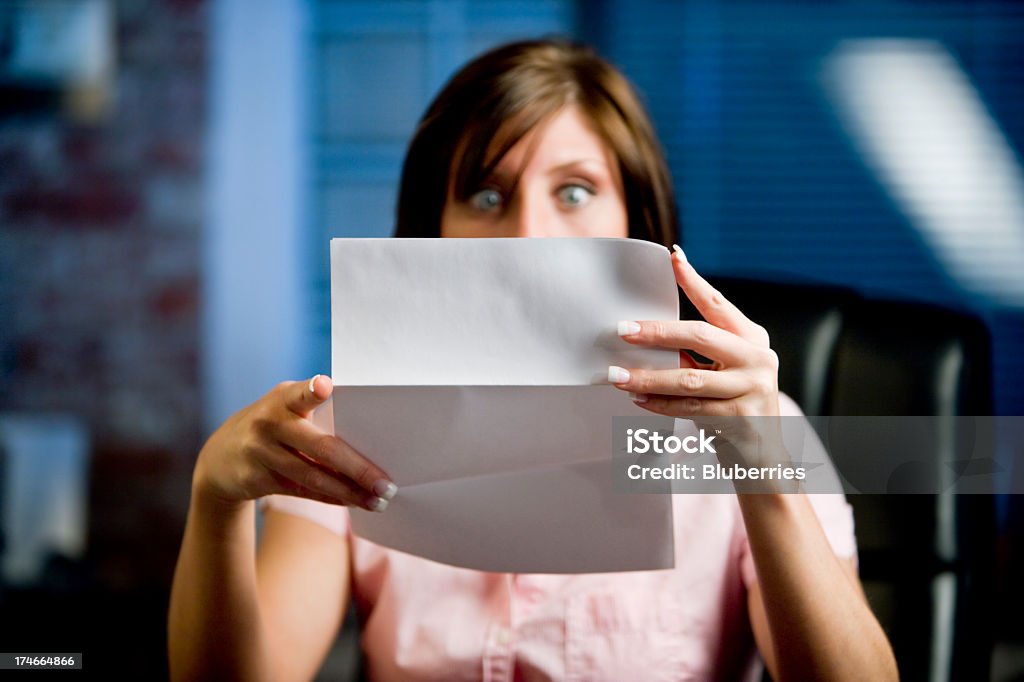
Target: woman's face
x: 568, y: 186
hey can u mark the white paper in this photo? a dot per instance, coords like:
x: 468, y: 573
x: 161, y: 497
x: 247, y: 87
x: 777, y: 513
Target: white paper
x: 496, y: 312
x: 474, y: 372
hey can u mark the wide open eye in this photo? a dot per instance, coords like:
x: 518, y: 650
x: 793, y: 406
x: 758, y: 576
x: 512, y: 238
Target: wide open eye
x: 574, y: 195
x: 487, y: 200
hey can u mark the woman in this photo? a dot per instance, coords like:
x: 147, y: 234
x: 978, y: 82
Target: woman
x: 532, y: 139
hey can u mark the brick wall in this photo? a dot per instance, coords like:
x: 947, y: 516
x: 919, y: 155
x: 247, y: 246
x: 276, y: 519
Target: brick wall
x: 99, y: 242
x: 100, y: 233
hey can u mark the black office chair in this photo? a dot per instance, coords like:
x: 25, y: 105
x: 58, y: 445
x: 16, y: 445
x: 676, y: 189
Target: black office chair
x: 927, y: 561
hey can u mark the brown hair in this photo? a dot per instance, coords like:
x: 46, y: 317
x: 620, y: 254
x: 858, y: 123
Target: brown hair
x: 512, y: 89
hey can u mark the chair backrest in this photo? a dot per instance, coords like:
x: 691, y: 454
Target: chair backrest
x: 927, y: 561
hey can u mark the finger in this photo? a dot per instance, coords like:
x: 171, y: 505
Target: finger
x: 711, y: 304
x: 688, y: 407
x: 335, y: 455
x: 290, y: 487
x: 304, y: 473
x: 696, y: 335
x: 302, y: 397
x: 698, y: 383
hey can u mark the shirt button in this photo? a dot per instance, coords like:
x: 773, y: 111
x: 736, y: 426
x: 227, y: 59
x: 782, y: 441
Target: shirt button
x: 504, y: 636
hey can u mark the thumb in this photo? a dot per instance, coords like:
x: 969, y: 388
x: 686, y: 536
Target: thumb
x: 302, y: 397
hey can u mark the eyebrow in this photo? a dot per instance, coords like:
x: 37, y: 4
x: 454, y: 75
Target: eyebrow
x: 587, y: 161
x: 499, y: 174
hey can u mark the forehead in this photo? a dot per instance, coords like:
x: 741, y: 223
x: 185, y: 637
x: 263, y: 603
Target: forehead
x: 566, y: 136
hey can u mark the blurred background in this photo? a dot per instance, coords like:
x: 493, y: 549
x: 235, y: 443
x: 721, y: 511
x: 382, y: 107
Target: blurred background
x: 171, y: 172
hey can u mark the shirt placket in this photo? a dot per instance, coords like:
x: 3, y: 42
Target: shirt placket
x: 499, y: 647
x: 521, y: 594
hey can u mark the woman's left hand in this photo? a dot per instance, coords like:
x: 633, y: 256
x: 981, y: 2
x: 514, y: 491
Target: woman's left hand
x: 741, y: 380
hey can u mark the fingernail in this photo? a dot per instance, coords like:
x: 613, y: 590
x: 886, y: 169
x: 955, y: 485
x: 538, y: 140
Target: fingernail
x: 378, y: 504
x: 638, y: 397
x: 385, y: 489
x: 627, y: 327
x: 617, y: 375
x: 679, y: 252
x: 312, y: 384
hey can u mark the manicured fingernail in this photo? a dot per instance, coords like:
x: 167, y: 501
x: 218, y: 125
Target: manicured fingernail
x: 312, y: 384
x: 638, y: 397
x: 378, y: 504
x: 627, y: 327
x: 385, y: 489
x: 679, y: 252
x: 617, y: 375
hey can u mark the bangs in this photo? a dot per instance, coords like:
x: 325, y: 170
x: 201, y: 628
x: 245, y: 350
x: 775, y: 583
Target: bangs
x: 486, y: 143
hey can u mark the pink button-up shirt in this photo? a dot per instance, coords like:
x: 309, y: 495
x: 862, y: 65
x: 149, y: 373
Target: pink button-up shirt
x: 423, y: 620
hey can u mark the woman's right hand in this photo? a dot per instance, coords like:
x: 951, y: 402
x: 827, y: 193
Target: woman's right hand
x: 272, y: 447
